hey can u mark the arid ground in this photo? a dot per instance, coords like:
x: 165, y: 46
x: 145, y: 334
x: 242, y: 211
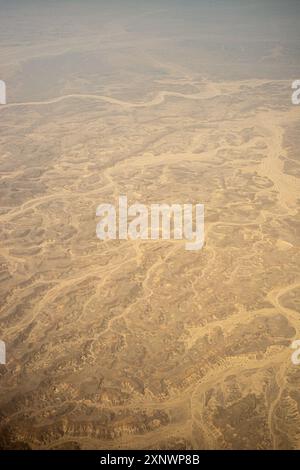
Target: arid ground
x: 141, y: 344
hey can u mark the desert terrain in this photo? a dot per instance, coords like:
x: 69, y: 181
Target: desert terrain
x: 134, y: 344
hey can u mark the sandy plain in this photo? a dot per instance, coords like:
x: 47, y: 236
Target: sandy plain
x: 141, y: 344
